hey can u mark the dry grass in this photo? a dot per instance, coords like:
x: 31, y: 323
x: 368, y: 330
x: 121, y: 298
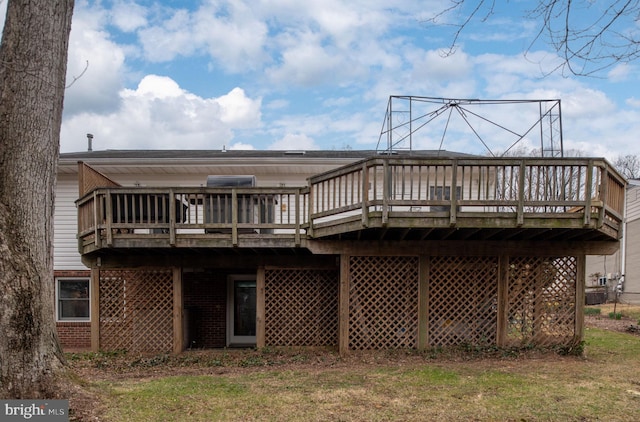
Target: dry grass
x: 628, y: 311
x: 274, y: 385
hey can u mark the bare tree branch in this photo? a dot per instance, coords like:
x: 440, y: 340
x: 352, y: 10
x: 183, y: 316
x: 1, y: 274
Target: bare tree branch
x: 628, y: 165
x: 75, y: 78
x: 588, y: 37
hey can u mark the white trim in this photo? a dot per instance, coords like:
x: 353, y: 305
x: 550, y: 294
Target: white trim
x: 231, y: 339
x: 57, y: 299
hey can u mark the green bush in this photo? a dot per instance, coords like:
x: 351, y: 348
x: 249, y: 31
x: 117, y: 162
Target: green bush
x: 615, y: 315
x: 592, y: 311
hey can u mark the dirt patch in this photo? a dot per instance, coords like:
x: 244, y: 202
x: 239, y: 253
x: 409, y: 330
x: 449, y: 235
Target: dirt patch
x: 622, y: 325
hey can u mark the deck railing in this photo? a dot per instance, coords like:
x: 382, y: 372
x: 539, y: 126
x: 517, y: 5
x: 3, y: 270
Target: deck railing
x: 381, y: 188
x: 491, y: 186
x: 168, y: 213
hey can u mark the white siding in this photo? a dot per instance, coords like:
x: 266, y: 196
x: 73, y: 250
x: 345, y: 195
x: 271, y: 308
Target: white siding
x: 605, y: 265
x: 633, y: 203
x: 65, y: 245
x: 632, y: 263
x: 66, y: 256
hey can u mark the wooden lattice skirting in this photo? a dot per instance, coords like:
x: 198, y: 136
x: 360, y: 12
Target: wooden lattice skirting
x: 136, y: 310
x: 461, y: 300
x: 301, y: 307
x: 511, y: 301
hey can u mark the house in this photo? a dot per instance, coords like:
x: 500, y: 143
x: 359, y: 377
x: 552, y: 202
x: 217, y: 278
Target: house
x: 619, y: 274
x: 630, y: 289
x: 170, y: 250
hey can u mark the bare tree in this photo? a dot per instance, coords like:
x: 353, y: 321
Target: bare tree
x: 628, y: 165
x: 33, y: 60
x: 588, y: 35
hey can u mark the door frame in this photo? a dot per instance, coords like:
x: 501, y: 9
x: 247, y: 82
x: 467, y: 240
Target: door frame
x: 233, y: 340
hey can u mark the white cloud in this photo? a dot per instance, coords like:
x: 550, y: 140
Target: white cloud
x: 633, y: 102
x: 237, y: 109
x: 241, y: 146
x: 278, y: 104
x: 159, y: 114
x: 3, y: 13
x: 229, y: 33
x: 96, y: 62
x: 233, y: 36
x: 585, y: 103
x: 128, y: 16
x: 321, y: 72
x: 294, y: 142
x: 432, y: 65
x: 170, y: 39
x: 620, y: 72
x: 157, y: 87
x: 306, y: 62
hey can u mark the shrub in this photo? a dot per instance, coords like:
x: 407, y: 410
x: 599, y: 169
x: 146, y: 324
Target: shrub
x: 592, y: 311
x: 615, y: 315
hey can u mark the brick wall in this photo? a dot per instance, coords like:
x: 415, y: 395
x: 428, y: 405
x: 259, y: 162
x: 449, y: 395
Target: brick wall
x: 205, y: 305
x: 74, y: 336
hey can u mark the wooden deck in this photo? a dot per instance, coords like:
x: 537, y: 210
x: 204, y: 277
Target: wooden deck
x: 385, y: 198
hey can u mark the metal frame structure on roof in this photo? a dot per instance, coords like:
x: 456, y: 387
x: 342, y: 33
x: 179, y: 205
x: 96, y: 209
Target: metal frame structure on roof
x: 407, y: 115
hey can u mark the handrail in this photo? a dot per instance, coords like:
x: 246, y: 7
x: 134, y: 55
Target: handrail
x: 524, y: 186
x: 173, y: 212
x: 381, y: 188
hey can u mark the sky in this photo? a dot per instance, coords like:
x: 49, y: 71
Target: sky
x: 319, y: 74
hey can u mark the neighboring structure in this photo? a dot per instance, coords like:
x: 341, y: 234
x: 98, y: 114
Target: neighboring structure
x: 347, y: 249
x: 617, y: 275
x: 631, y: 245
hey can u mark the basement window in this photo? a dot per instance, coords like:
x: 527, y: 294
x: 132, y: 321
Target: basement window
x: 602, y: 281
x: 72, y: 299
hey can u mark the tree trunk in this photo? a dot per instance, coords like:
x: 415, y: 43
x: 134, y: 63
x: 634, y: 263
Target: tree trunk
x: 33, y: 61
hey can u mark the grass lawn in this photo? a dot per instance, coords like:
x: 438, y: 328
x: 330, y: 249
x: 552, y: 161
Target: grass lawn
x: 276, y: 385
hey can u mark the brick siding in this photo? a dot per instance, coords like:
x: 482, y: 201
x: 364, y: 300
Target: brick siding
x: 74, y: 336
x: 205, y: 305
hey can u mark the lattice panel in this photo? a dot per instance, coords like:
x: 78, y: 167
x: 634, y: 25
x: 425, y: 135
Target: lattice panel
x: 115, y: 319
x: 541, y: 304
x: 301, y: 307
x: 383, y: 302
x: 462, y: 301
x: 136, y: 310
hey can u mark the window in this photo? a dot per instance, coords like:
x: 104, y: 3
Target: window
x: 72, y: 299
x: 602, y: 281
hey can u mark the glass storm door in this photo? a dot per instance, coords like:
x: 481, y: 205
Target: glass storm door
x: 241, y: 330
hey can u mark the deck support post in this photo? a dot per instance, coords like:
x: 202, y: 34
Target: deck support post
x: 260, y: 308
x: 95, y: 309
x: 503, y: 301
x: 343, y: 306
x: 178, y: 331
x: 580, y: 301
x: 423, y: 303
